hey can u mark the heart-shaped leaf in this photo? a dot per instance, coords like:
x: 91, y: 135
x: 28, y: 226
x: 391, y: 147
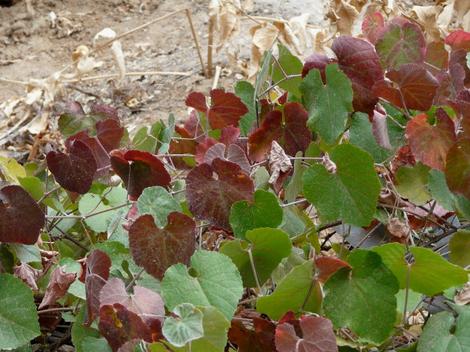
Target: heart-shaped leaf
x: 458, y: 167
x: 264, y: 212
x: 59, y: 283
x: 328, y: 104
x: 213, y: 280
x: 401, y: 42
x: 225, y: 109
x: 363, y: 298
x: 444, y: 274
x: 157, y: 249
x: 372, y: 26
x: 159, y: 203
x: 98, y: 265
x: 350, y: 193
x: 262, y: 252
x: 316, y: 336
x: 288, y: 127
x: 421, y: 134
x: 75, y: 170
x: 139, y: 170
x: 358, y: 59
x: 212, y: 189
x: 21, y: 218
x: 459, y: 246
x: 186, y: 326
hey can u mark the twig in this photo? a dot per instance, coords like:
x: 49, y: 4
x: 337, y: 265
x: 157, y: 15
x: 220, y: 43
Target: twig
x: 196, y: 41
x: 210, y: 43
x: 295, y: 202
x: 142, y: 73
x: 275, y: 84
x: 215, y: 82
x: 58, y: 309
x: 135, y: 278
x: 253, y: 268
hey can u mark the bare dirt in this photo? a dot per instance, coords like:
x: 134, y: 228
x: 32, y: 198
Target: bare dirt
x: 31, y: 48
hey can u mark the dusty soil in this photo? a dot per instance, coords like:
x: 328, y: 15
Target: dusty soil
x: 30, y: 48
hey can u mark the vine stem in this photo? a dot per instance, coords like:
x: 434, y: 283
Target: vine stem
x: 86, y: 216
x: 58, y: 309
x: 135, y: 278
x: 253, y: 268
x: 299, y: 201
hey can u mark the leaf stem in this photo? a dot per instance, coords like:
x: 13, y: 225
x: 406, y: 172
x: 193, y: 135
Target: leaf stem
x: 253, y: 268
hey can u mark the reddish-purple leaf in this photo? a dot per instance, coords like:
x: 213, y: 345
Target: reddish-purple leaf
x: 437, y: 55
x: 459, y: 40
x: 21, y: 218
x: 148, y: 305
x: 252, y: 333
x: 157, y: 249
x: 202, y: 148
x: 226, y: 109
x: 317, y: 336
x: 401, y: 42
x: 139, y: 170
x: 415, y: 85
x: 98, y: 265
x: 59, y: 283
x: 327, y: 266
x: 119, y: 325
x: 212, y: 189
x: 359, y: 61
x: 317, y: 61
x: 372, y: 26
x: 229, y: 135
x: 28, y: 274
x: 109, y: 132
x: 431, y: 143
x: 100, y: 154
x: 380, y: 127
x: 458, y: 167
x: 289, y: 128
x: 75, y: 170
x: 233, y: 153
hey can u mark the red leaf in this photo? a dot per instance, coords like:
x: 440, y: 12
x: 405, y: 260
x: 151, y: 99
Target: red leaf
x: 437, y: 55
x: 100, y: 154
x: 459, y: 40
x: 119, y: 325
x: 289, y: 128
x: 109, y: 132
x: 400, y: 42
x: 105, y: 111
x: 317, y: 61
x: 157, y: 249
x: 380, y: 128
x: 98, y: 265
x: 73, y: 171
x: 416, y: 85
x: 359, y: 61
x: 327, y: 266
x: 139, y: 170
x: 372, y: 26
x: 252, y: 333
x: 212, y: 189
x: 421, y: 135
x: 317, y: 336
x: 226, y: 108
x: 229, y: 135
x: 458, y: 167
x: 28, y: 274
x: 202, y: 148
x: 21, y: 218
x: 59, y: 283
x: 148, y: 305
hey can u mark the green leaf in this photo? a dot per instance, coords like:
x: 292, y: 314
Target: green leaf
x: 459, y: 246
x: 11, y: 170
x: 360, y: 134
x: 213, y: 280
x: 297, y: 291
x: 264, y: 212
x: 18, y: 316
x: 186, y: 327
x: 263, y: 73
x: 291, y: 65
x: 363, y: 299
x: 33, y: 186
x: 445, y: 333
x: 246, y: 92
x: 159, y: 203
x: 295, y: 184
x: 349, y: 194
x: 440, y: 191
x: 26, y: 253
x: 411, y: 182
x: 328, y: 105
x: 91, y: 343
x: 268, y: 247
x: 429, y: 274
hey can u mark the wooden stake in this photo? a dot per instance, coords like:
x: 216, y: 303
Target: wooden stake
x: 210, y: 42
x: 196, y: 41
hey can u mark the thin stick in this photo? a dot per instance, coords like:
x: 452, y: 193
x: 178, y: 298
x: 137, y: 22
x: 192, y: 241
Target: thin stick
x: 59, y: 309
x: 196, y: 41
x: 113, y: 75
x: 210, y: 42
x: 215, y: 82
x: 253, y: 268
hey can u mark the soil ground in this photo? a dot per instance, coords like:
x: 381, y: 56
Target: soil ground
x: 30, y: 48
